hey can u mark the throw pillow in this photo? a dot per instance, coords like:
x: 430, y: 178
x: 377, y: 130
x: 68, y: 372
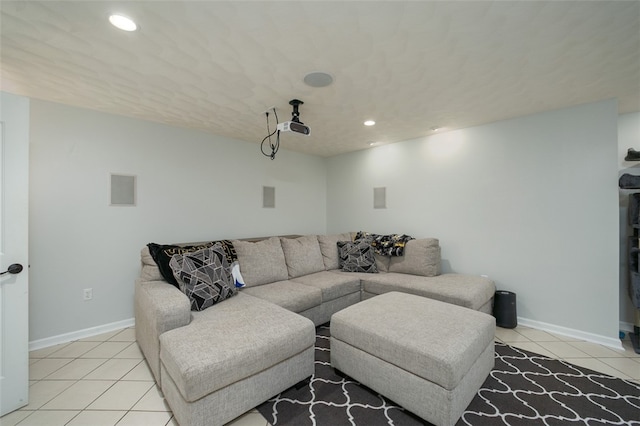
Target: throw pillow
x: 302, y: 255
x: 162, y: 254
x: 261, y: 262
x: 204, y: 276
x: 357, y: 256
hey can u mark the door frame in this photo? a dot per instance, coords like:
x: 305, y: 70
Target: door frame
x: 14, y: 248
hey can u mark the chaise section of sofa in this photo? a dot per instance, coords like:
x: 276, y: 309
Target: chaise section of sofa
x: 468, y: 291
x: 159, y: 307
x: 418, y: 272
x: 232, y: 358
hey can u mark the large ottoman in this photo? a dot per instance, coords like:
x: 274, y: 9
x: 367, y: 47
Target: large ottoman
x: 430, y: 357
x: 233, y: 357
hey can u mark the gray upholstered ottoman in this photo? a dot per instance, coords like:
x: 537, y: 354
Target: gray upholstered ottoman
x: 429, y: 357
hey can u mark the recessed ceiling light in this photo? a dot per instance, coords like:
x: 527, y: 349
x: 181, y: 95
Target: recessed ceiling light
x: 435, y: 128
x: 369, y: 123
x: 318, y: 79
x: 122, y: 22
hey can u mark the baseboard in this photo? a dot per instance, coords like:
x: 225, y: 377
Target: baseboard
x: 80, y: 334
x: 539, y: 325
x: 626, y: 327
x: 614, y: 343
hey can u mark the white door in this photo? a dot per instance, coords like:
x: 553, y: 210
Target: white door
x: 14, y: 225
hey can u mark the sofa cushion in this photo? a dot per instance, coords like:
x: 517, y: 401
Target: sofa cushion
x: 239, y: 338
x: 261, y: 262
x: 162, y: 253
x: 329, y: 249
x: 357, y: 256
x: 150, y: 270
x: 331, y: 285
x: 204, y: 276
x: 469, y: 291
x: 421, y: 257
x: 290, y: 295
x: 382, y: 262
x: 302, y: 255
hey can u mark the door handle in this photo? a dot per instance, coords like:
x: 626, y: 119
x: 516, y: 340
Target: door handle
x: 16, y: 268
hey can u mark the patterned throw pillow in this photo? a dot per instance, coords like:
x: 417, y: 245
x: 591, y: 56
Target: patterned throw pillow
x: 162, y: 254
x: 204, y: 276
x: 357, y: 256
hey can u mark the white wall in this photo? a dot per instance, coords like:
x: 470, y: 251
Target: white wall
x: 628, y: 137
x: 192, y: 186
x: 531, y: 202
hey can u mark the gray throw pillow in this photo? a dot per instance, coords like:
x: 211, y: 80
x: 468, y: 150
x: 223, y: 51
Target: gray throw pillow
x: 357, y: 256
x: 204, y: 276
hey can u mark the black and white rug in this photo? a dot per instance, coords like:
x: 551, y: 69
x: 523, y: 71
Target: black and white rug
x: 523, y: 389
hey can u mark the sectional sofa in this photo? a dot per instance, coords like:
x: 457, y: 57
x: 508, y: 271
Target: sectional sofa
x: 217, y: 363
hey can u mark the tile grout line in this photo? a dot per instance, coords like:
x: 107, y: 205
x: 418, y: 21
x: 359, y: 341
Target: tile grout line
x: 620, y: 375
x: 511, y: 337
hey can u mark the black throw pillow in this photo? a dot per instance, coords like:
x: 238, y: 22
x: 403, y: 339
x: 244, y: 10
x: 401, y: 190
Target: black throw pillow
x: 162, y: 254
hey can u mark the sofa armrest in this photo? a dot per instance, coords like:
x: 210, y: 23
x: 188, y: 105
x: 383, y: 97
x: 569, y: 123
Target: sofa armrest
x: 159, y: 307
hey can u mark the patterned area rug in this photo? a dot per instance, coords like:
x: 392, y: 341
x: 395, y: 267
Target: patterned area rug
x: 523, y: 389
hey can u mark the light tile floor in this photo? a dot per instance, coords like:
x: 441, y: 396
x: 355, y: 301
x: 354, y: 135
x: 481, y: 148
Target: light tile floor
x: 624, y: 364
x: 104, y: 380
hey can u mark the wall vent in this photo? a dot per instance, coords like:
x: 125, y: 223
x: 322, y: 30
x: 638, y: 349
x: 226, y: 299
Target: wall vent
x: 268, y: 197
x: 123, y: 190
x: 380, y: 198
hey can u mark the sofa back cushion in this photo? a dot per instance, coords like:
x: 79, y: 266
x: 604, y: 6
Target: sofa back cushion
x: 302, y: 255
x: 261, y: 262
x: 382, y: 262
x: 329, y: 249
x: 150, y: 270
x: 421, y: 257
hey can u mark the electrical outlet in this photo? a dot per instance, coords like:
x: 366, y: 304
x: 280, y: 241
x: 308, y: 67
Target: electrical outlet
x: 88, y: 293
x: 269, y: 110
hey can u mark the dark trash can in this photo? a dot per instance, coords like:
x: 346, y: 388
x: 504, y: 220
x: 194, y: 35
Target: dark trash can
x: 504, y: 309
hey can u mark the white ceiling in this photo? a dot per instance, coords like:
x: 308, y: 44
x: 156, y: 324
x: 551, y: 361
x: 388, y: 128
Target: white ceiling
x: 410, y: 66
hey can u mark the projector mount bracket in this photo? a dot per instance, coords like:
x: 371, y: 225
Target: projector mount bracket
x: 295, y: 114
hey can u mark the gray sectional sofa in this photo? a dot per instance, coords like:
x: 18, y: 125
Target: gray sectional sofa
x: 215, y: 364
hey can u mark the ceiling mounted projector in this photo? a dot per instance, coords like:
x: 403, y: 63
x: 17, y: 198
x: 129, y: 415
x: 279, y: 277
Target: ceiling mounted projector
x: 295, y: 125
